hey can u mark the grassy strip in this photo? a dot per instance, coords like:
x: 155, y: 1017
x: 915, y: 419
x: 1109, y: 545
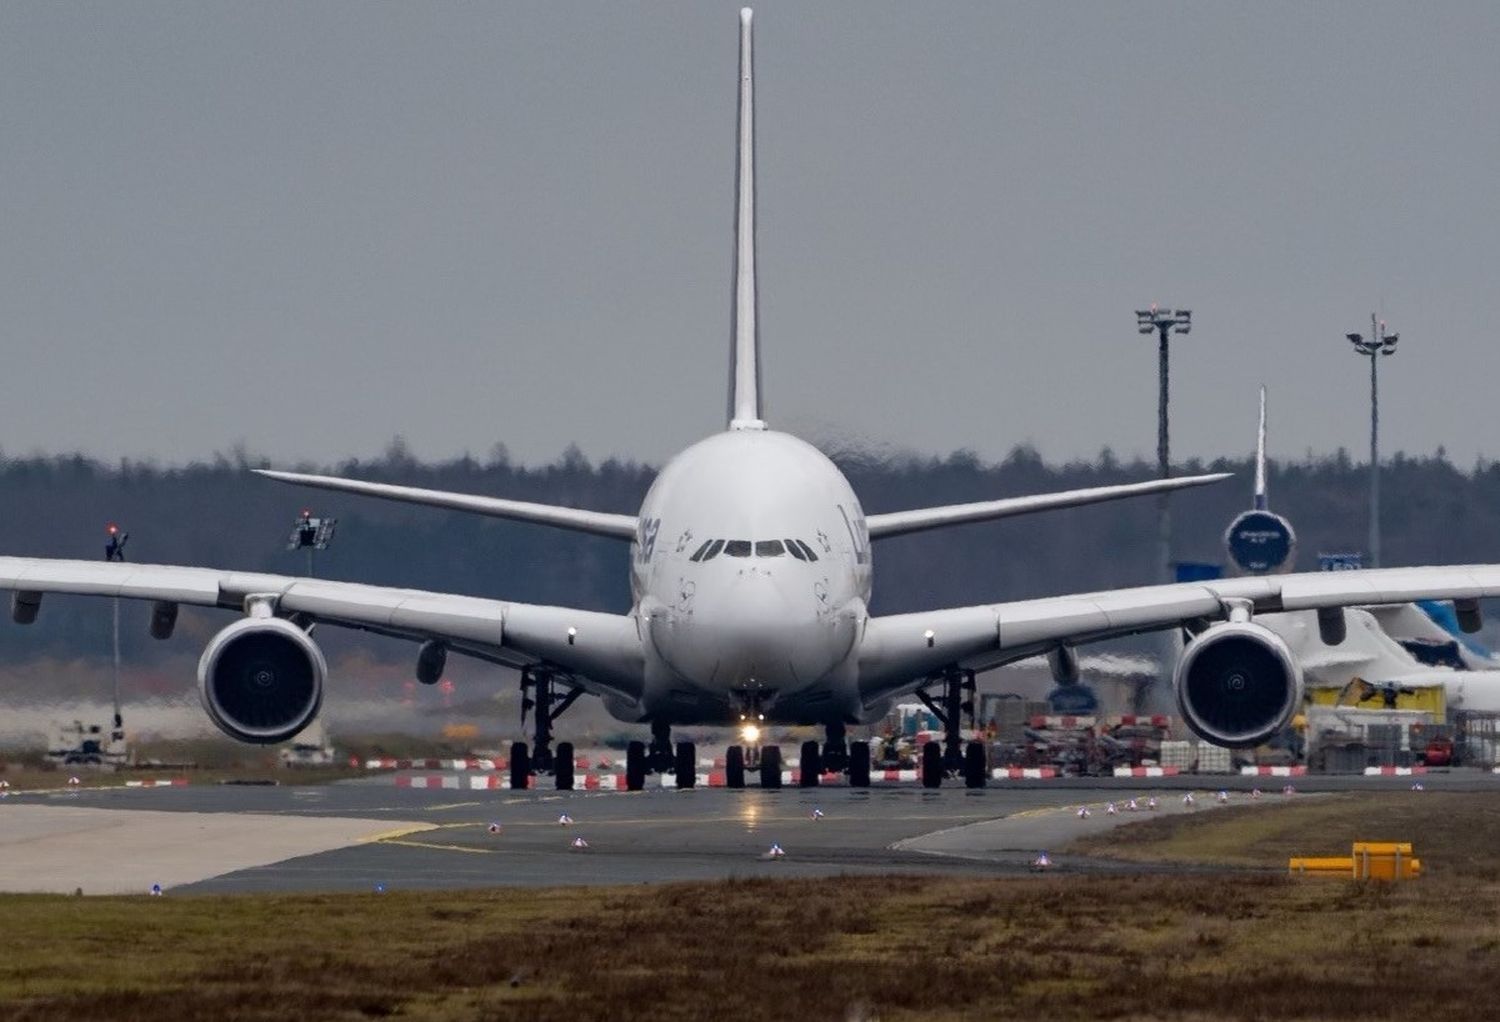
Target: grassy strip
x: 1056, y: 947
x: 1452, y: 832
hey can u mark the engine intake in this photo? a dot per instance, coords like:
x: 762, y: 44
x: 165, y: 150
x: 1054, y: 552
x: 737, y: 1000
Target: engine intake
x: 261, y: 680
x: 1237, y: 684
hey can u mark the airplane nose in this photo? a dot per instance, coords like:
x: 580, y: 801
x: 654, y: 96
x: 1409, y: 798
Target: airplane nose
x: 752, y: 632
x: 752, y: 628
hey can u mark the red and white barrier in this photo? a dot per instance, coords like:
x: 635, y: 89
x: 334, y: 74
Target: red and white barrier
x: 1394, y: 771
x: 1139, y: 720
x: 175, y: 782
x: 711, y: 779
x: 1273, y: 771
x: 490, y: 765
x: 1156, y: 771
x: 1063, y: 723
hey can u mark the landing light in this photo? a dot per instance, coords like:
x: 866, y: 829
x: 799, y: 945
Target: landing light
x: 750, y: 734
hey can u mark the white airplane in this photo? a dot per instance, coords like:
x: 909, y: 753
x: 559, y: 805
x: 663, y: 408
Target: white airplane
x: 751, y: 580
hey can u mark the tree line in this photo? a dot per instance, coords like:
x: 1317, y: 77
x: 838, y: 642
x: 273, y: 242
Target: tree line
x: 219, y: 514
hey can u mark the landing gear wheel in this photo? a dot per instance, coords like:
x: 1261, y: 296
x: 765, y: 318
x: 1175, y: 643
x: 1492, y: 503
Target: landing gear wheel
x: 562, y: 766
x: 520, y: 766
x: 811, y: 767
x: 859, y: 764
x: 734, y: 767
x: 686, y: 767
x: 932, y: 765
x: 976, y: 765
x: 635, y: 766
x: 770, y: 767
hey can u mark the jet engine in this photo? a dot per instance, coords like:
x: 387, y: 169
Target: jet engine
x: 1237, y: 684
x: 261, y: 680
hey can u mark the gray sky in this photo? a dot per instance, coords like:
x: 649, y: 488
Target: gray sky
x: 309, y: 227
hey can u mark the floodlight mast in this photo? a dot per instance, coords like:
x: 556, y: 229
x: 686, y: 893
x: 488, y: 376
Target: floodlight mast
x: 1379, y: 344
x: 114, y: 550
x: 1163, y: 323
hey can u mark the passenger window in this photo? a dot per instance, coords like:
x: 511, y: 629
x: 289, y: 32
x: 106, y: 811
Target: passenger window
x: 713, y: 551
x: 796, y: 551
x: 698, y: 555
x: 737, y: 548
x: 807, y: 550
x: 769, y: 548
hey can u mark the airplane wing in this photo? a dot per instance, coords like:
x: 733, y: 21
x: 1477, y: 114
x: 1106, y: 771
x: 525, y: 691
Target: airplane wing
x: 600, y: 523
x: 898, y: 523
x: 602, y: 649
x: 898, y: 652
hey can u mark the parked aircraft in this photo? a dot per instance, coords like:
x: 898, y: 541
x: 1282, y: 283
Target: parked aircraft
x: 1387, y: 648
x: 751, y: 575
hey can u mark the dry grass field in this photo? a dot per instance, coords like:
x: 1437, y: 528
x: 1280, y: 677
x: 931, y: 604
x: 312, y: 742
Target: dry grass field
x: 1234, y: 945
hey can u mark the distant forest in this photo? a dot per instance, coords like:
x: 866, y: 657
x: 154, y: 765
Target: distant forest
x: 218, y: 514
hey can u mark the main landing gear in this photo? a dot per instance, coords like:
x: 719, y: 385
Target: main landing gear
x: 661, y: 756
x: 539, y: 693
x: 953, y: 757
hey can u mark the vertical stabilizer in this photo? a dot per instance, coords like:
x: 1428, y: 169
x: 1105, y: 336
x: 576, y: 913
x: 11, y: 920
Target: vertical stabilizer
x: 744, y: 359
x: 1260, y: 456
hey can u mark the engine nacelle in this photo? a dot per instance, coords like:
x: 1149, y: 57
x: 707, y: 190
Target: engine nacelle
x: 261, y: 680
x: 1237, y: 684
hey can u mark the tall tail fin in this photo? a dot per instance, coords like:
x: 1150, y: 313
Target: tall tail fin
x: 1260, y: 456
x: 744, y: 359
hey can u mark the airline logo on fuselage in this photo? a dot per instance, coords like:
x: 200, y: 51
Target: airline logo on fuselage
x: 646, y: 538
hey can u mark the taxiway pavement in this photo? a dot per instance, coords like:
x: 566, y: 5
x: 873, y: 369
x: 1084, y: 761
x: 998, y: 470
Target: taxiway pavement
x: 359, y: 835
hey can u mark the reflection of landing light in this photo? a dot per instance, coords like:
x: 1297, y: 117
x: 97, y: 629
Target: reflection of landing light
x: 750, y: 814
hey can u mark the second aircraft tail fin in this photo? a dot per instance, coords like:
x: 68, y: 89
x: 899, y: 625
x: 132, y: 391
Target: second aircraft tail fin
x: 1260, y: 456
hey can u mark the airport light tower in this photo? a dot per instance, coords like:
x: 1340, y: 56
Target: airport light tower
x: 114, y: 550
x: 1163, y: 323
x: 1379, y: 345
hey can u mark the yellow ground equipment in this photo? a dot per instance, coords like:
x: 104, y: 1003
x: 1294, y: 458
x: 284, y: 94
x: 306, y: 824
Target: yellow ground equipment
x: 1372, y: 860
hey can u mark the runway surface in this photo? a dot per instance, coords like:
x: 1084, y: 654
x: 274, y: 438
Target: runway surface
x: 357, y: 835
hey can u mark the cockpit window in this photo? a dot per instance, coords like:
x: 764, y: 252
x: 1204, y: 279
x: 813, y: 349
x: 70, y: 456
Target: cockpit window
x: 698, y: 554
x: 769, y: 548
x: 737, y: 548
x: 806, y: 550
x: 796, y: 551
x: 713, y: 551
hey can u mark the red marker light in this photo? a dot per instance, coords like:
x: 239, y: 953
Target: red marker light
x: 111, y: 528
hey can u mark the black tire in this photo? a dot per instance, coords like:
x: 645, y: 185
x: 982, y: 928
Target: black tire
x: 562, y: 766
x: 932, y: 765
x: 686, y: 765
x: 859, y: 764
x: 734, y: 767
x: 770, y: 767
x: 635, y: 766
x: 520, y: 766
x: 976, y: 765
x: 811, y: 767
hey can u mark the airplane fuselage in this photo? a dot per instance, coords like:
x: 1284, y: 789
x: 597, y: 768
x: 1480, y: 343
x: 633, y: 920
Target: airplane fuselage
x: 751, y: 579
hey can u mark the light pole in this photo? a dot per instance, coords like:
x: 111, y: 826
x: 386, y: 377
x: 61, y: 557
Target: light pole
x: 114, y: 550
x: 1379, y: 345
x: 1163, y: 322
